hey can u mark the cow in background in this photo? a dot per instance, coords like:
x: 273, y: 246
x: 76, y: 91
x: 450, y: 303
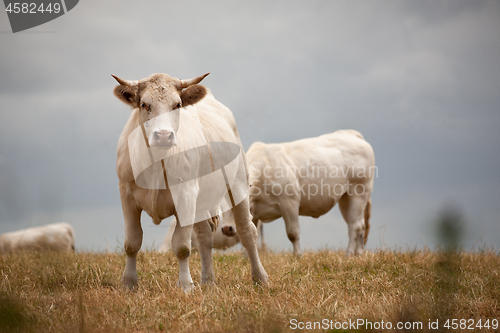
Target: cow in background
x: 56, y: 237
x: 308, y: 177
x: 159, y: 96
x: 220, y: 242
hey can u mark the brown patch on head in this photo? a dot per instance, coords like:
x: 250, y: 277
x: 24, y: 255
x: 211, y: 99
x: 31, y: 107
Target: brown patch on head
x: 127, y: 94
x: 193, y: 94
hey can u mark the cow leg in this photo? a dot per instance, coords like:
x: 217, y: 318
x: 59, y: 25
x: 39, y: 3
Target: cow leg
x: 260, y: 228
x: 204, y: 238
x: 248, y: 237
x: 352, y: 208
x: 290, y: 213
x: 133, y: 239
x: 181, y: 245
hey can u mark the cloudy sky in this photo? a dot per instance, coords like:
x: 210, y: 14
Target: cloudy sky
x: 419, y: 79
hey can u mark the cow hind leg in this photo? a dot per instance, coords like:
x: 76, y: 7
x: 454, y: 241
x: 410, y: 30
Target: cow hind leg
x: 291, y: 219
x: 204, y: 238
x: 248, y: 237
x: 368, y: 211
x: 181, y: 245
x: 352, y: 208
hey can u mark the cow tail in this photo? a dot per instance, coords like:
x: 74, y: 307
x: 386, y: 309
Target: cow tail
x: 368, y: 210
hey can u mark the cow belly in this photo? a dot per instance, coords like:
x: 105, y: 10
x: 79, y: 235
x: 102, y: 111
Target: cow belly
x: 265, y: 211
x: 164, y: 207
x: 316, y: 206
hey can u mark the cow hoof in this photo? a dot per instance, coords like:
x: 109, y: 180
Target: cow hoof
x: 188, y: 289
x: 261, y: 278
x: 129, y: 283
x: 209, y: 280
x: 187, y: 286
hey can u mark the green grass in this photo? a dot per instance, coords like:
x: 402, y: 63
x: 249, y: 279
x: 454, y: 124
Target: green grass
x: 81, y: 291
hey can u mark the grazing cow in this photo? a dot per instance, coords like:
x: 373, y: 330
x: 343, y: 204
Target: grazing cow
x: 308, y: 177
x: 175, y: 117
x: 56, y: 237
x: 220, y: 242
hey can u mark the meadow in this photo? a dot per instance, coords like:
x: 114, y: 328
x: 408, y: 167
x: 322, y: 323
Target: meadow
x: 319, y: 291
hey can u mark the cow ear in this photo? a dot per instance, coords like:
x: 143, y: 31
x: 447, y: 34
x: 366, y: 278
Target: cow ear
x: 127, y: 91
x: 128, y: 94
x: 193, y: 94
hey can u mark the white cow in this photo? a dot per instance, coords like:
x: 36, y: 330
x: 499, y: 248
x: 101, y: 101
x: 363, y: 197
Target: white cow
x: 57, y: 236
x: 167, y: 99
x: 220, y: 242
x: 308, y: 177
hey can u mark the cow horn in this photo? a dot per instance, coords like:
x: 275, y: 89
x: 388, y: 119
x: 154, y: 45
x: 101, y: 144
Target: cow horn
x: 190, y: 82
x: 124, y: 82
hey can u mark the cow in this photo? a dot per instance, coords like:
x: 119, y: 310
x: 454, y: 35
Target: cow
x: 308, y: 177
x: 220, y: 242
x: 55, y: 237
x: 164, y: 111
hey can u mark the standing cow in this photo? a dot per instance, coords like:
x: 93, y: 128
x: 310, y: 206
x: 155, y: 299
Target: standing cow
x: 220, y: 242
x: 308, y: 177
x: 161, y: 97
x: 56, y: 237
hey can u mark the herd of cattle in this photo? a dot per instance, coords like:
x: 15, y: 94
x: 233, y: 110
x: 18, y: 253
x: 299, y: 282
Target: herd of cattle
x: 306, y: 177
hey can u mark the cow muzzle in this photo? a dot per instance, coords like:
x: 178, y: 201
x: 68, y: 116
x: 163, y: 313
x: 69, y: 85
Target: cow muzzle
x: 163, y: 139
x: 228, y: 231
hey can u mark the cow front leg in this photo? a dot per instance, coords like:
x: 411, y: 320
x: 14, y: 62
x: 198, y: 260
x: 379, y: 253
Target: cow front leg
x: 181, y: 245
x: 204, y: 238
x: 133, y: 240
x: 248, y: 237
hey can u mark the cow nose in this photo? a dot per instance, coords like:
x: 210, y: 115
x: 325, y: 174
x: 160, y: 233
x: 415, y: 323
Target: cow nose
x: 228, y: 230
x: 163, y: 133
x: 164, y: 138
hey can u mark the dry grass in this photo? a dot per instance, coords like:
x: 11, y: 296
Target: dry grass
x: 81, y: 292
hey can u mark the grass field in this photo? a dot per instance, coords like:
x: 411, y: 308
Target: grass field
x: 60, y: 292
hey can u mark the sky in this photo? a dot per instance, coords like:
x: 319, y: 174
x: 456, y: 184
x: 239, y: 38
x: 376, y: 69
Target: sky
x: 419, y: 79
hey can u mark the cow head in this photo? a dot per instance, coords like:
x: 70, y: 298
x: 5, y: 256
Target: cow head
x: 158, y: 98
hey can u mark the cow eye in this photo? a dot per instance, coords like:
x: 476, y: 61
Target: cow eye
x: 145, y: 106
x: 178, y: 106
